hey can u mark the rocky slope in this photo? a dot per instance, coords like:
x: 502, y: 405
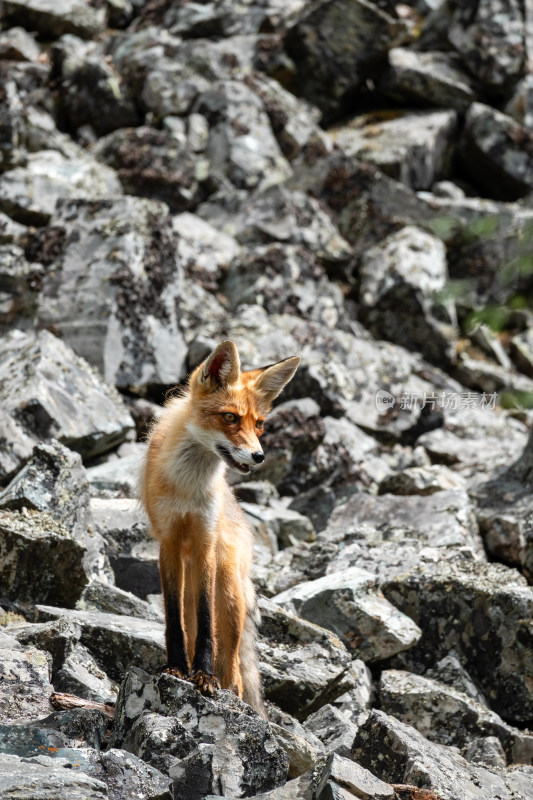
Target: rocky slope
x: 346, y: 179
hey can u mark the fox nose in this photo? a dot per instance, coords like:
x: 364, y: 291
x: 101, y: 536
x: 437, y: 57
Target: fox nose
x: 258, y: 457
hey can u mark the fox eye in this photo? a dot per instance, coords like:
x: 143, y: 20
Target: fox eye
x: 260, y: 425
x: 228, y: 416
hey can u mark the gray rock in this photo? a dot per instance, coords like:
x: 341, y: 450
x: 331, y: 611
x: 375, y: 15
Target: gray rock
x: 414, y: 148
x: 81, y: 675
x: 486, y: 750
x: 29, y: 194
x: 463, y: 605
x: 399, y: 754
x: 505, y: 519
x: 116, y: 642
x: 18, y: 45
x: 444, y: 715
x: 235, y: 746
x: 41, y: 782
x: 522, y: 350
x: 204, y: 251
x: 334, y: 730
x: 133, y: 555
x: 342, y: 778
x: 48, y: 391
x: 19, y: 283
x: 437, y: 78
x: 275, y: 522
x: 331, y: 67
x: 128, y: 776
x: 374, y: 552
x: 116, y: 478
x: 356, y: 703
x: 54, y: 481
x: 475, y: 438
x: 12, y: 151
x: 91, y: 92
x: 52, y: 18
x: 302, y: 665
x: 294, y: 122
x: 150, y: 163
x: 422, y: 481
x: 520, y: 106
x: 443, y: 519
x: 349, y: 604
x: 401, y: 281
x: 495, y: 153
x: 40, y: 560
x: 99, y: 596
x: 117, y: 308
x: 25, y: 686
x: 74, y: 669
x: 298, y: 789
x: 490, y: 40
x: 450, y: 671
x: 303, y: 756
x: 284, y: 279
x: 241, y: 144
x: 280, y: 214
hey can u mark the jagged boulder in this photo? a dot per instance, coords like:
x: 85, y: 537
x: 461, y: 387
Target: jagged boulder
x: 221, y: 745
x: 46, y: 391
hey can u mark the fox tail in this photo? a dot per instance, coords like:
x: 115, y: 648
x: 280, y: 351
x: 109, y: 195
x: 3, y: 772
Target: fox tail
x: 251, y: 679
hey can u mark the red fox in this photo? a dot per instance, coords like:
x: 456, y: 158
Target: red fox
x: 206, y: 543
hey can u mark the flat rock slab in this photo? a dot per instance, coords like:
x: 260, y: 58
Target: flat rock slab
x: 350, y: 605
x: 433, y: 77
x: 483, y: 613
x: 444, y: 519
x: 30, y: 193
x: 34, y: 781
x: 46, y: 391
x: 302, y: 665
x: 40, y: 562
x: 25, y: 685
x: 116, y: 642
x: 398, y: 754
x: 112, y: 292
x: 235, y: 748
x: 53, y: 18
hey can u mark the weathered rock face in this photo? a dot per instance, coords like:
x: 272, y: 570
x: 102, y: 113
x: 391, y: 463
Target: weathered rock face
x: 397, y: 753
x: 129, y: 333
x: 41, y: 561
x: 46, y: 390
x: 347, y: 604
x: 207, y: 744
x: 54, y: 481
x: 482, y: 614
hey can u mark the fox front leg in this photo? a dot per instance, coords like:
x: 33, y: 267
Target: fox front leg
x: 202, y: 672
x: 171, y: 570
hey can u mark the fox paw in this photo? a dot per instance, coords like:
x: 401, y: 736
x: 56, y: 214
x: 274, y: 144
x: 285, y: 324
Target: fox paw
x: 204, y: 681
x: 176, y: 672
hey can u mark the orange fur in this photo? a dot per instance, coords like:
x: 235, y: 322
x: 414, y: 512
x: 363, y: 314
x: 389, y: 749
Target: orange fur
x: 206, y: 543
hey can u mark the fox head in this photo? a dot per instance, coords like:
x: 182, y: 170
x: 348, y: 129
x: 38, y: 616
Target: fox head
x: 229, y: 406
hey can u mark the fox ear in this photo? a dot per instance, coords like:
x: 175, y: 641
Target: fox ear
x: 221, y: 368
x: 275, y: 377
